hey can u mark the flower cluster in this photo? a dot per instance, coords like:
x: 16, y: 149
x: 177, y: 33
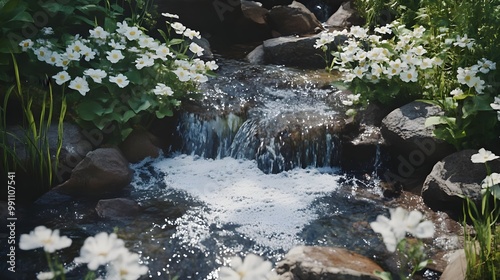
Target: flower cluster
x: 122, y: 73
x: 107, y: 249
x: 102, y: 249
x: 104, y: 51
x: 408, y: 59
x: 373, y: 58
x: 252, y: 267
x: 394, y: 230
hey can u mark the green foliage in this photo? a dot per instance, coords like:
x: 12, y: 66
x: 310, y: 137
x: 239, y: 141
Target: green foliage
x: 38, y: 161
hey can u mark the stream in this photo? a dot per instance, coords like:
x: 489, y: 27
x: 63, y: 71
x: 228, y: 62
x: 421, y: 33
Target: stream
x: 254, y: 169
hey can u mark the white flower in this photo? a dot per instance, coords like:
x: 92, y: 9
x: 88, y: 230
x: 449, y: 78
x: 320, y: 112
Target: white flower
x: 191, y: 33
x: 466, y: 76
x: 80, y: 84
x: 252, y: 268
x: 358, y: 32
x: 196, y: 49
x: 26, y: 44
x: 98, y: 33
x: 162, y: 89
x: 484, y: 65
x: 211, y: 65
x: 359, y: 71
x: 147, y: 42
x: 96, y: 74
x: 132, y: 33
x: 426, y: 63
x: 100, y: 250
x: 72, y: 55
x: 491, y: 180
x: 162, y: 51
x: 199, y: 78
x: 478, y: 84
x: 116, y: 45
x: 409, y: 75
x: 394, y: 230
x: 383, y: 30
x: 178, y: 27
x: 88, y: 53
x: 483, y: 156
x: 48, y: 275
x: 120, y: 79
x: 496, y: 104
x: 126, y: 267
x: 61, y: 77
x: 76, y: 47
x: 144, y: 61
x: 418, y: 51
x: 114, y: 56
x: 42, y: 53
x: 182, y: 74
x: 418, y: 32
x: 47, y: 31
x: 456, y: 92
x: 464, y: 42
x: 53, y: 58
x: 168, y: 15
x: 44, y: 237
x: 121, y: 27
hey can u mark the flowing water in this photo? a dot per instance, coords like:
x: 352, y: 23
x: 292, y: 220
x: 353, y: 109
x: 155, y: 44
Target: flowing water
x: 237, y: 183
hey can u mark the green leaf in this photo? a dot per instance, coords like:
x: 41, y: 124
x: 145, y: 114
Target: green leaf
x: 435, y: 120
x: 164, y: 111
x: 384, y: 275
x: 125, y: 133
x: 56, y: 7
x: 128, y: 115
x: 89, y: 110
x: 175, y: 42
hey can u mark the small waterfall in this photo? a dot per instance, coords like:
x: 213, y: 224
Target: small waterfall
x: 210, y: 138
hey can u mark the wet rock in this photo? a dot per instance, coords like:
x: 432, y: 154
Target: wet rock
x: 117, y: 208
x: 294, y: 19
x: 207, y: 16
x: 414, y: 150
x: 139, y: 145
x: 256, y: 56
x: 312, y: 263
x: 457, y: 266
x: 253, y: 23
x: 345, y: 16
x: 102, y: 171
x: 320, y: 8
x: 452, y: 177
x: 294, y: 51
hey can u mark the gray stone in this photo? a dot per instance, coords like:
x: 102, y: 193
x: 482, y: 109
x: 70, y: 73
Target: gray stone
x: 117, y: 208
x: 457, y: 267
x: 313, y: 263
x: 101, y: 172
x: 294, y: 19
x: 139, y: 145
x: 294, y: 51
x: 414, y: 149
x: 453, y: 177
x: 344, y: 17
x: 256, y: 56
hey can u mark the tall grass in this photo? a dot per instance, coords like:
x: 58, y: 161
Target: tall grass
x: 37, y: 163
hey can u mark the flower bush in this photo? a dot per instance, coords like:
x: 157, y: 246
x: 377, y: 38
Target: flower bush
x: 394, y: 231
x: 101, y: 250
x: 397, y: 64
x: 121, y: 76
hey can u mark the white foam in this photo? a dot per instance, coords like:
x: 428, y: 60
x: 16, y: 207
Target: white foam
x: 269, y: 208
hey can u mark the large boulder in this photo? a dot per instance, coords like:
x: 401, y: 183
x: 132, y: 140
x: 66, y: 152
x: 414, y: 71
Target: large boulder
x: 414, y: 149
x: 294, y: 19
x: 452, y: 178
x: 312, y: 263
x: 103, y: 171
x: 293, y: 51
x: 345, y: 16
x: 139, y: 145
